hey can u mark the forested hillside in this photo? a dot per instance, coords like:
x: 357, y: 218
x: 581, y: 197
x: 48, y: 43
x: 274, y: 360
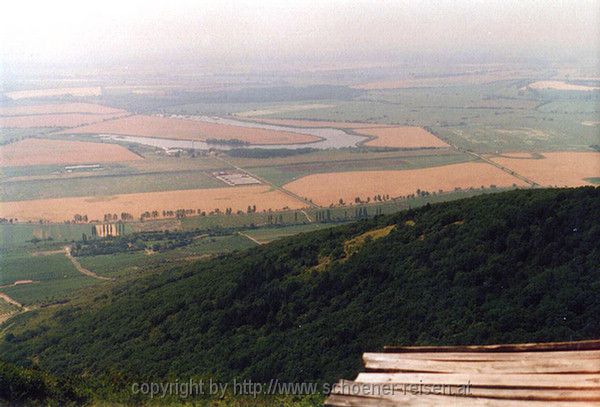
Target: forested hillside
x: 515, y: 266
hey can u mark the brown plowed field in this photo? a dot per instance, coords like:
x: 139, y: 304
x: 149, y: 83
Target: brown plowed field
x: 328, y: 188
x: 52, y: 120
x: 34, y: 151
x: 385, y: 135
x: 401, y: 137
x: 182, y: 129
x: 58, y: 210
x: 562, y: 169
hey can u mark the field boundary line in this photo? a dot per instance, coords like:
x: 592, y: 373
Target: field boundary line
x: 367, y: 160
x: 54, y: 131
x: 264, y: 181
x: 81, y: 269
x: 505, y: 169
x: 12, y: 301
x: 486, y: 160
x: 251, y: 238
x: 307, y: 216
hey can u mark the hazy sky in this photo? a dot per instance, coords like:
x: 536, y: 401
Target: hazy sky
x: 61, y: 30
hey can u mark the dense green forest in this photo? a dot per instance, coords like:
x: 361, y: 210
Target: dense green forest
x: 516, y: 266
x: 35, y: 387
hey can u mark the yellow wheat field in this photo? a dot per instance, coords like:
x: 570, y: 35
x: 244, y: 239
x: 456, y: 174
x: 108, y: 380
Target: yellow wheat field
x: 563, y: 169
x: 328, y: 188
x: 401, y: 137
x: 62, y: 209
x: 47, y: 152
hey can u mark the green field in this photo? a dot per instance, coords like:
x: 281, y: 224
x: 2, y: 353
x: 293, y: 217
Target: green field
x: 115, y: 265
x: 7, y: 308
x: 22, y: 233
x: 470, y: 116
x: 133, y: 264
x: 54, y: 276
x: 9, y: 135
x: 224, y: 221
x: 105, y: 185
x: 268, y: 234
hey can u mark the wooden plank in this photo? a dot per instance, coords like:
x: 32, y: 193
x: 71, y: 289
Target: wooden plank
x: 514, y: 375
x: 487, y: 356
x: 441, y: 401
x: 514, y: 347
x: 345, y: 387
x: 384, y: 362
x: 339, y: 400
x: 553, y: 381
x: 537, y: 394
x: 444, y: 401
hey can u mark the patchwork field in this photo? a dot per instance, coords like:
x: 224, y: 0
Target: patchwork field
x: 52, y: 120
x: 237, y: 198
x: 44, y: 152
x: 282, y: 174
x: 449, y: 79
x: 282, y: 109
x: 567, y: 169
x: 102, y: 183
x: 315, y: 123
x: 43, y: 93
x: 560, y: 85
x: 58, y: 108
x: 17, y: 234
x: 401, y: 137
x: 182, y: 129
x: 55, y: 115
x: 383, y: 135
x: 328, y: 188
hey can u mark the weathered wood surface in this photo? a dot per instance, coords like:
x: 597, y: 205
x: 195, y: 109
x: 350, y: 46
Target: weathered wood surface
x: 477, y: 397
x: 555, y: 381
x: 497, y: 356
x: 442, y: 401
x: 390, y: 363
x: 511, y: 347
x: 514, y: 375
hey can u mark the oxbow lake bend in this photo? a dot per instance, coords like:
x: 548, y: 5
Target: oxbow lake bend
x: 330, y: 138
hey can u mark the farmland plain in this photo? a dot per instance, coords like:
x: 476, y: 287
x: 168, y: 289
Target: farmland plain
x: 401, y: 137
x: 423, y: 135
x: 555, y: 168
x: 52, y: 120
x: 185, y: 129
x: 31, y: 152
x: 328, y: 188
x: 64, y: 209
x: 58, y: 108
x: 55, y: 92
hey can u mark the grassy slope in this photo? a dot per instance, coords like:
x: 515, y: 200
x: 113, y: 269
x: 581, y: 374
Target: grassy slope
x: 516, y: 266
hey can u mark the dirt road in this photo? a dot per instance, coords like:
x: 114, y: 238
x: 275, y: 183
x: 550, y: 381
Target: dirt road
x: 81, y: 269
